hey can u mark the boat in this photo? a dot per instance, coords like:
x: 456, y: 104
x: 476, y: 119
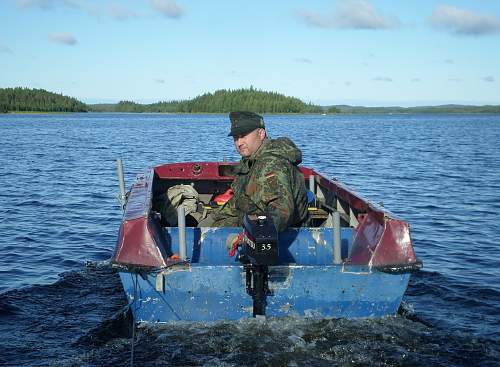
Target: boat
x: 353, y: 260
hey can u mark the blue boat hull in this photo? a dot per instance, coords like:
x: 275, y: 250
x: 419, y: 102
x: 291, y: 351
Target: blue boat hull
x: 209, y: 293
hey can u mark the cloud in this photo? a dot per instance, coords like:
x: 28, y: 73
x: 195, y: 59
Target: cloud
x: 5, y: 50
x: 168, y: 8
x: 314, y: 19
x: 382, y: 79
x: 52, y: 4
x: 350, y: 14
x: 303, y: 60
x: 464, y: 22
x: 119, y: 12
x: 42, y: 4
x: 110, y: 8
x: 64, y: 38
x: 489, y: 79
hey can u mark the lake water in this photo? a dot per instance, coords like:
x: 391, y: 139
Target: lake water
x: 61, y: 304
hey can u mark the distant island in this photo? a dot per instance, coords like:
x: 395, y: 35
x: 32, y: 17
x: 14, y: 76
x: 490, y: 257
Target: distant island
x: 19, y: 100
x: 221, y: 101
x: 37, y: 100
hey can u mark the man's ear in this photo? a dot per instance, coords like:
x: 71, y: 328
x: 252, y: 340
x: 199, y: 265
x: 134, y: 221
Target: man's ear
x: 262, y: 134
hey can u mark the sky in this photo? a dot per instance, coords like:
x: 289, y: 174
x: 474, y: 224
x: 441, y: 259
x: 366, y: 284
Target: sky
x: 357, y: 52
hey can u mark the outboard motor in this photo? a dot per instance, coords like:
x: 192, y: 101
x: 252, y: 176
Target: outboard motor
x: 259, y: 250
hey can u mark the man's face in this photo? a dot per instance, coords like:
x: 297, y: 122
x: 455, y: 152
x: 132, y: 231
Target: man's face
x: 249, y: 143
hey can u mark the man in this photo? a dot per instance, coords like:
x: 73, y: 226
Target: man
x: 267, y: 179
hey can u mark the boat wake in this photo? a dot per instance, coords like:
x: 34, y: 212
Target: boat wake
x: 286, y: 342
x: 86, y: 309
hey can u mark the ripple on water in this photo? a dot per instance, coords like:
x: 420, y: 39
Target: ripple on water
x: 58, y: 209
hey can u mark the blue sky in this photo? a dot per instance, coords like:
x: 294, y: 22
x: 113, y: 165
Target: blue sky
x: 364, y: 52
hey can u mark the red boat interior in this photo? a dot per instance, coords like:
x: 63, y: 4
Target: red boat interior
x: 379, y: 239
x: 213, y: 179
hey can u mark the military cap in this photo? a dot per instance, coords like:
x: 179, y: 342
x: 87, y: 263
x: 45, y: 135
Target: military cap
x: 242, y: 122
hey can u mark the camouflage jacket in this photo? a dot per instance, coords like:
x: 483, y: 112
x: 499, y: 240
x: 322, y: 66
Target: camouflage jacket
x: 269, y: 182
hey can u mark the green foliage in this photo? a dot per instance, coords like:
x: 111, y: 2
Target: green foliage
x: 25, y: 99
x: 420, y: 109
x: 332, y: 109
x: 102, y: 107
x: 127, y: 106
x: 221, y: 101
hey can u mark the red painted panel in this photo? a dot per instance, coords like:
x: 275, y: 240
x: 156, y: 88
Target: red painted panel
x: 136, y: 246
x: 381, y: 245
x: 138, y: 241
x: 366, y: 238
x: 193, y: 170
x: 395, y: 247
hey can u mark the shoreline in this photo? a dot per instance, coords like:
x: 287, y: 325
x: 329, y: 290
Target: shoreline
x: 264, y: 113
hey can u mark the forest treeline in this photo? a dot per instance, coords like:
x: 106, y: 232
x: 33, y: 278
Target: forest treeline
x: 37, y: 100
x: 449, y: 108
x: 221, y: 101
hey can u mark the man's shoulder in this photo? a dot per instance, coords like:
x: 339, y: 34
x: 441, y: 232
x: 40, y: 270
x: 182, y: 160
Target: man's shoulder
x: 272, y: 165
x: 281, y: 149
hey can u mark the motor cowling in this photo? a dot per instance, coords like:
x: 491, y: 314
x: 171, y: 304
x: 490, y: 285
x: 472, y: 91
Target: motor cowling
x: 259, y: 245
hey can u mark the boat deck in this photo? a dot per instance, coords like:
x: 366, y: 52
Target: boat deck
x: 302, y: 246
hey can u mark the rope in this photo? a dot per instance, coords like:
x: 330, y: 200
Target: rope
x: 133, y: 321
x: 132, y: 349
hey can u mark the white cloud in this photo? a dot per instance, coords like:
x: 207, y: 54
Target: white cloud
x: 382, y: 79
x: 351, y: 14
x: 64, y: 38
x: 168, y: 8
x: 489, y: 79
x: 119, y: 12
x: 464, y: 22
x: 50, y: 4
x: 314, y: 19
x: 113, y: 9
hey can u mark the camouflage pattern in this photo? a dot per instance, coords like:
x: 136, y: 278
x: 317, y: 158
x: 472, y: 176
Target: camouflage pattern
x: 269, y: 182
